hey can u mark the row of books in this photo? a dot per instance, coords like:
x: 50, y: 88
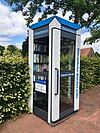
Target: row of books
x: 39, y: 47
x: 40, y: 58
x: 40, y: 67
x: 39, y: 78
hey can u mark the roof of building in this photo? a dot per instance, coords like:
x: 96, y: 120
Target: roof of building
x: 85, y: 51
x: 61, y: 21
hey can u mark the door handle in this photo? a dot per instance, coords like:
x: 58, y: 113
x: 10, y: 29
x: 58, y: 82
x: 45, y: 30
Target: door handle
x: 56, y: 69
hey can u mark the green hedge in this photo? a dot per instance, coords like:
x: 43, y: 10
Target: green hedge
x: 14, y: 86
x: 89, y: 72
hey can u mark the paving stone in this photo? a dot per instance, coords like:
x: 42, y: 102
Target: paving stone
x: 86, y: 120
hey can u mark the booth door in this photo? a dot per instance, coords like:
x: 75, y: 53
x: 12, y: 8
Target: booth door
x: 63, y: 71
x: 67, y: 74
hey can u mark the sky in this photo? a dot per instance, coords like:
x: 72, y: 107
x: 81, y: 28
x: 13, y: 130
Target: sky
x: 13, y: 29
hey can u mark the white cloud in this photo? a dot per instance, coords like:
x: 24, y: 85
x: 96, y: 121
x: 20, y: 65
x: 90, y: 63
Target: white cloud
x: 4, y: 39
x: 38, y: 15
x: 5, y: 44
x: 11, y: 24
x: 84, y: 36
x: 85, y: 16
x: 18, y: 45
x: 66, y: 15
x: 95, y: 46
x: 7, y: 41
x: 27, y: 6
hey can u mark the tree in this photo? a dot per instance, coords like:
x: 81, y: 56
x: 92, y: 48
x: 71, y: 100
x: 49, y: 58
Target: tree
x: 25, y: 47
x: 2, y: 48
x: 78, y: 8
x: 12, y: 49
x: 93, y: 21
x: 97, y: 54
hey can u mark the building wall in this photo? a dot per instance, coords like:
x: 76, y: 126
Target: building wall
x: 91, y: 53
x: 87, y: 52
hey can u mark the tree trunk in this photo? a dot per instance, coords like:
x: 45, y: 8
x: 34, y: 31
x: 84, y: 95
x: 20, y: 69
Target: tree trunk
x: 77, y: 15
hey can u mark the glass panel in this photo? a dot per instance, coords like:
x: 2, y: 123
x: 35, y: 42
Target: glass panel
x: 41, y: 50
x: 67, y: 66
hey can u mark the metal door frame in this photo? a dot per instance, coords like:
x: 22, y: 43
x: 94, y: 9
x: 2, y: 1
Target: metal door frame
x: 77, y: 71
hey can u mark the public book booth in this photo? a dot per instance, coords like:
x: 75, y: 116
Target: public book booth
x: 54, y: 61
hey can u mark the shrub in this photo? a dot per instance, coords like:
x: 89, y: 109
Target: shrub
x: 14, y: 86
x: 89, y: 72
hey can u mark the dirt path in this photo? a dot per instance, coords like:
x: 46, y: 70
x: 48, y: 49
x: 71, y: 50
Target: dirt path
x: 86, y: 120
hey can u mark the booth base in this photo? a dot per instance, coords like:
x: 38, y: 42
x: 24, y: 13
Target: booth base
x: 63, y: 116
x: 63, y: 119
x: 40, y: 113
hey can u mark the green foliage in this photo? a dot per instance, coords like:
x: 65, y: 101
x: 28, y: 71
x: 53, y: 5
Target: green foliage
x: 12, y: 49
x: 14, y: 86
x: 97, y: 54
x: 93, y: 21
x: 2, y: 48
x: 25, y: 47
x: 90, y: 72
x: 78, y: 8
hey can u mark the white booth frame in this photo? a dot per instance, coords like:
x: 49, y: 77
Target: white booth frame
x: 51, y: 110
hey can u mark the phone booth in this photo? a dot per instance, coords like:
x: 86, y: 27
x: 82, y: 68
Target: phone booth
x: 54, y: 61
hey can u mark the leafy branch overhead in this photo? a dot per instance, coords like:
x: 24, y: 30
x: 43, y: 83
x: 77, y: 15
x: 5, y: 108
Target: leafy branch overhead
x: 78, y: 7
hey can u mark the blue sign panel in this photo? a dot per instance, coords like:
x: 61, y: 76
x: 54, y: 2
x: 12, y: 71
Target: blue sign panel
x: 67, y: 74
x: 68, y: 29
x: 40, y: 86
x: 41, y: 32
x: 77, y: 73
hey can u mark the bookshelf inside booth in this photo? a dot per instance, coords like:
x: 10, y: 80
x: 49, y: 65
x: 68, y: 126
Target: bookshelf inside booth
x: 40, y: 75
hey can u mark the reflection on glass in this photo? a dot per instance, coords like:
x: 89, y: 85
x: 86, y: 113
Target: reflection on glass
x: 67, y: 73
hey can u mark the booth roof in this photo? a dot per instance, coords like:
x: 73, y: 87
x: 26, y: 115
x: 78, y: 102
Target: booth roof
x: 61, y: 21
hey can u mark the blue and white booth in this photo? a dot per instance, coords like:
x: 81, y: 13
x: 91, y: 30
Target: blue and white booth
x: 54, y: 61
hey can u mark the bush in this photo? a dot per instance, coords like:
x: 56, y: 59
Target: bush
x: 89, y: 72
x: 14, y: 86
